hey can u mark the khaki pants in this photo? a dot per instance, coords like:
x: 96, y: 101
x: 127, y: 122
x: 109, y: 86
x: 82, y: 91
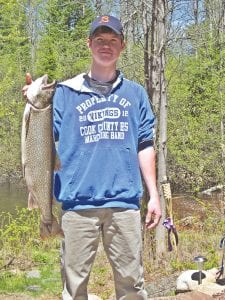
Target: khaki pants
x: 121, y: 236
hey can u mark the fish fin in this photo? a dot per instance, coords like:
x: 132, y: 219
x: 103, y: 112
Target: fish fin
x: 27, y: 119
x: 23, y: 169
x: 32, y: 203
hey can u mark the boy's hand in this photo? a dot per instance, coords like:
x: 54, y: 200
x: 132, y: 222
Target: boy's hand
x: 28, y: 82
x: 154, y: 213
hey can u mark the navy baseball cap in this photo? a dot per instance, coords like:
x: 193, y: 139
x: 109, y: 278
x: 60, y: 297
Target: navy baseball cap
x: 107, y: 21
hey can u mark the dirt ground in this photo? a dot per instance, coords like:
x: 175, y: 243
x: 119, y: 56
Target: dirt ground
x: 185, y: 296
x: 26, y: 297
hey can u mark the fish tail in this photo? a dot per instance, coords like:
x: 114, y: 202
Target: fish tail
x: 50, y: 229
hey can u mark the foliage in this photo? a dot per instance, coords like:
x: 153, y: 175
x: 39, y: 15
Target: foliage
x: 21, y: 248
x: 201, y: 237
x: 194, y: 122
x: 130, y: 63
x: 13, y: 61
x: 16, y: 233
x: 39, y: 37
x: 19, y: 236
x: 50, y: 37
x: 62, y: 50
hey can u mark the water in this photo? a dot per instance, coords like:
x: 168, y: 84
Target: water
x: 11, y: 197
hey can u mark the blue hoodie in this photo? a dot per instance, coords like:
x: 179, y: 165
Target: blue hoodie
x: 98, y: 142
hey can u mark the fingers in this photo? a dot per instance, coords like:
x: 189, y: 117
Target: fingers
x: 154, y: 212
x: 152, y: 220
x: 28, y: 79
x: 152, y: 223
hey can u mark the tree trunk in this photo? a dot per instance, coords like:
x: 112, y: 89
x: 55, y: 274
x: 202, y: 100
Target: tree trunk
x: 146, y: 29
x: 221, y: 93
x: 32, y: 20
x: 159, y: 98
x: 196, y: 17
x: 98, y: 7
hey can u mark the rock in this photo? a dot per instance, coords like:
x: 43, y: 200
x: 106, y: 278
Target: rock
x: 93, y: 297
x: 212, y: 289
x: 162, y: 286
x: 188, y: 281
x: 194, y: 295
x: 33, y: 274
x: 34, y: 288
x: 16, y: 297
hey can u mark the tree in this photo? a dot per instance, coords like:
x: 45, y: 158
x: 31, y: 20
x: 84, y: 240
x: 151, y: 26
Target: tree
x: 157, y: 84
x: 14, y: 59
x: 62, y: 51
x: 196, y: 96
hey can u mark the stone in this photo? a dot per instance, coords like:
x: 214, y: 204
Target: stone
x: 34, y: 288
x: 187, y: 280
x: 194, y: 295
x: 33, y: 274
x: 93, y: 297
x: 209, y: 286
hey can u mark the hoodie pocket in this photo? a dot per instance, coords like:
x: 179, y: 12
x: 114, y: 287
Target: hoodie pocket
x: 103, y: 173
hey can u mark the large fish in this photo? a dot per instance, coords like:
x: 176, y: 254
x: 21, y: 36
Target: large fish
x: 38, y: 154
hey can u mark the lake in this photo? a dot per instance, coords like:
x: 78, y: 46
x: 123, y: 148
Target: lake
x: 12, y: 196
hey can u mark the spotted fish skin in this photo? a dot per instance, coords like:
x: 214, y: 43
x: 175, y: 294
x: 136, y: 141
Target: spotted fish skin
x: 38, y: 154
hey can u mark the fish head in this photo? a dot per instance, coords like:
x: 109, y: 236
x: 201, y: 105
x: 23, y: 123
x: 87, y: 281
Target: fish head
x: 40, y: 92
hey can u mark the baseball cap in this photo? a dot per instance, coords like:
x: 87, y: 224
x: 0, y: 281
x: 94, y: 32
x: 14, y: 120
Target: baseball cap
x: 107, y: 21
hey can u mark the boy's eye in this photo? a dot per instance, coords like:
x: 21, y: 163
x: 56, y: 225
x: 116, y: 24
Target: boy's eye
x: 100, y: 41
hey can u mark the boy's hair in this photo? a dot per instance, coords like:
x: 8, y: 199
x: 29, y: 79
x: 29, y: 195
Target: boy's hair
x: 104, y: 29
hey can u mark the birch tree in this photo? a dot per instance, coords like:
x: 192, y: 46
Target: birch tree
x: 159, y: 99
x: 154, y: 25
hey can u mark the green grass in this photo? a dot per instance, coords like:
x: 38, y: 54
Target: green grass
x: 22, y: 251
x: 48, y: 283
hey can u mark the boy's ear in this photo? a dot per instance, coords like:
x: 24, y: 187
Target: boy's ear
x: 123, y: 45
x: 89, y: 42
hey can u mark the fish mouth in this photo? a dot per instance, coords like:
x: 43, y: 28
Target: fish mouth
x: 47, y: 86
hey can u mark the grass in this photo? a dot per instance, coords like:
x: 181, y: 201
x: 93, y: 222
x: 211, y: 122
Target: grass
x: 21, y: 251
x: 15, y: 281
x: 101, y: 279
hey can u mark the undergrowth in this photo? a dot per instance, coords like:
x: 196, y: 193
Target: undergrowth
x: 21, y: 250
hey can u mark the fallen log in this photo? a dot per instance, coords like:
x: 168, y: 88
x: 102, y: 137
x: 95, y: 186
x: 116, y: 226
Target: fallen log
x: 209, y: 191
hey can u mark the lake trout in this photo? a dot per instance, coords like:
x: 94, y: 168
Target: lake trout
x: 38, y: 152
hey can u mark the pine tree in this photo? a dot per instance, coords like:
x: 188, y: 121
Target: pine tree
x: 62, y: 50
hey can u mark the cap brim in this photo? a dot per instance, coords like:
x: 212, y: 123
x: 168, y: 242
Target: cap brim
x: 116, y: 31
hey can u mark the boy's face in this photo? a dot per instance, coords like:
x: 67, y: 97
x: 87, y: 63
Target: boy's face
x: 106, y: 48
